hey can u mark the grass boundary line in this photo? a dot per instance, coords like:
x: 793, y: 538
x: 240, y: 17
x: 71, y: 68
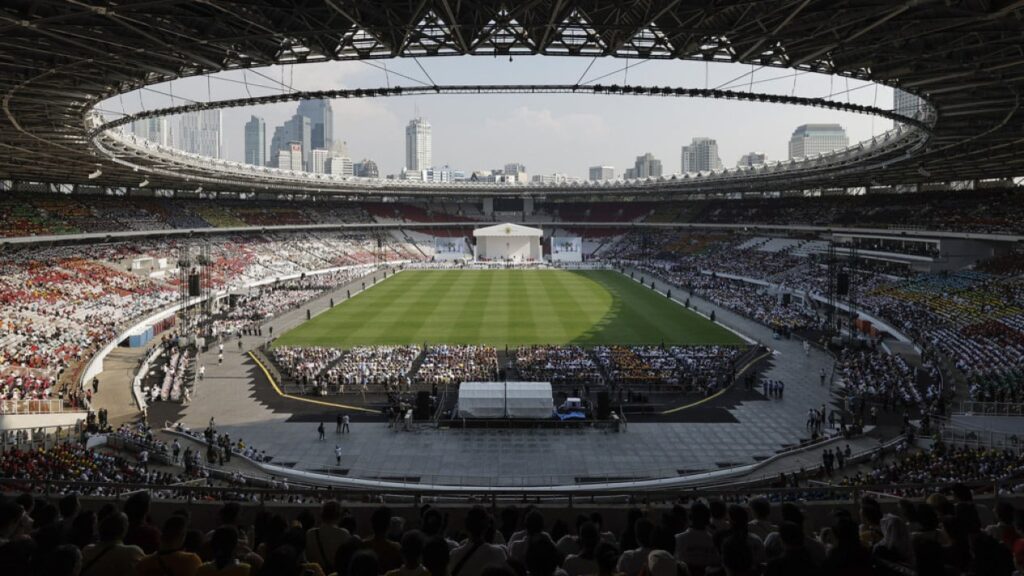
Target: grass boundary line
x: 282, y: 394
x: 723, y: 390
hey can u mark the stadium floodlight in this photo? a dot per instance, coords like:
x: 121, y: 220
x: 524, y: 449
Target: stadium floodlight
x: 144, y: 183
x: 199, y: 189
x: 96, y: 174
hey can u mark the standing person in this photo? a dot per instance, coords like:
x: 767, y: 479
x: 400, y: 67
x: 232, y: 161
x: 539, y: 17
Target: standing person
x: 344, y: 424
x: 176, y: 450
x: 807, y: 348
x: 821, y: 375
x: 220, y: 358
x: 323, y: 542
x: 202, y: 371
x: 337, y: 424
x: 320, y: 430
x: 337, y: 455
x: 782, y: 388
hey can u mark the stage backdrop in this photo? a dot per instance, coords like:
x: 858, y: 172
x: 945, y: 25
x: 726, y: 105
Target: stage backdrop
x: 511, y: 242
x: 566, y: 249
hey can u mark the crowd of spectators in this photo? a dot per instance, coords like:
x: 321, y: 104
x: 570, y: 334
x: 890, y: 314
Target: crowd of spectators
x: 702, y: 369
x: 556, y: 364
x: 943, y: 535
x: 305, y: 365
x: 942, y: 464
x: 373, y: 368
x: 446, y: 364
x: 879, y: 377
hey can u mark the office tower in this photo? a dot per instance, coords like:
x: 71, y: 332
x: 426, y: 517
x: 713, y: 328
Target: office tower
x: 296, y: 129
x: 700, y: 156
x: 599, y: 173
x: 751, y: 159
x: 321, y: 122
x: 256, y: 141
x: 366, y: 168
x: 418, y: 155
x: 339, y: 166
x: 199, y: 133
x: 291, y: 157
x: 517, y: 171
x: 813, y: 139
x: 156, y: 130
x: 319, y: 160
x: 646, y: 166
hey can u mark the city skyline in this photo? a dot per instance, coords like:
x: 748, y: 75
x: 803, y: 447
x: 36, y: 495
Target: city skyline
x: 548, y: 133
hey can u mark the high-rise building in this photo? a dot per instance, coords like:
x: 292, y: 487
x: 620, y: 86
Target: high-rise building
x: 156, y: 130
x: 256, y: 141
x: 296, y: 129
x: 366, y: 168
x: 599, y: 173
x: 338, y: 166
x: 291, y: 157
x: 751, y: 159
x: 199, y: 133
x: 418, y: 155
x: 906, y: 104
x: 812, y: 139
x: 518, y: 171
x: 321, y: 122
x: 700, y: 156
x: 646, y: 166
x: 319, y: 160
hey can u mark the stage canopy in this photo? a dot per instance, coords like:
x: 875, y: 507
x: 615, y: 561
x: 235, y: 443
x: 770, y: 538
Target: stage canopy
x: 505, y: 399
x: 508, y: 242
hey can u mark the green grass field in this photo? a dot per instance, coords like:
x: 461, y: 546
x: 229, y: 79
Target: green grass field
x: 507, y: 307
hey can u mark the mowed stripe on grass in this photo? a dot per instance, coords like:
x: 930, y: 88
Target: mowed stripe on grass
x: 507, y: 307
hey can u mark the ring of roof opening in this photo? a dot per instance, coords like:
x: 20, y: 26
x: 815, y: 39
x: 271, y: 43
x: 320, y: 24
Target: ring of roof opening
x: 911, y: 132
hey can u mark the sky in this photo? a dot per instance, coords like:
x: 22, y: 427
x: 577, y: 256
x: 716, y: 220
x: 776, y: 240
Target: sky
x: 565, y: 133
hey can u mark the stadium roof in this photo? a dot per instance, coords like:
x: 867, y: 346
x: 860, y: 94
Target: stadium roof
x: 59, y: 59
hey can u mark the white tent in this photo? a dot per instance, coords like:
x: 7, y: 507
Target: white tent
x: 508, y: 242
x: 505, y: 399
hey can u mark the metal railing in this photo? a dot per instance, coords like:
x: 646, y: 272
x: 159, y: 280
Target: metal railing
x: 979, y: 438
x: 969, y: 407
x: 44, y: 406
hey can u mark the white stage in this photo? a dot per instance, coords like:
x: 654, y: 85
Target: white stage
x: 508, y: 242
x: 505, y: 400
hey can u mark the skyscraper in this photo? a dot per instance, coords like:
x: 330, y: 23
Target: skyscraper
x: 812, y: 139
x: 319, y: 160
x: 418, y: 155
x: 156, y: 130
x: 256, y: 141
x: 199, y: 133
x: 599, y: 173
x: 291, y: 157
x: 751, y: 159
x: 321, y: 122
x: 646, y: 166
x: 296, y: 129
x: 700, y: 156
x: 339, y: 166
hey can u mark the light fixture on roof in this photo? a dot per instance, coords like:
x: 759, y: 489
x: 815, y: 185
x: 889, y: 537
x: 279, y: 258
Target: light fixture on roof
x: 199, y: 189
x: 96, y: 174
x: 144, y: 183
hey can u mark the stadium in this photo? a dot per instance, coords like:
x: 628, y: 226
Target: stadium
x: 223, y: 357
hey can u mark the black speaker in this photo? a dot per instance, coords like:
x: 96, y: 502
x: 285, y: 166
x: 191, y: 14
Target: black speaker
x: 422, y: 410
x: 604, y: 405
x: 786, y: 299
x: 193, y: 285
x: 842, y: 283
